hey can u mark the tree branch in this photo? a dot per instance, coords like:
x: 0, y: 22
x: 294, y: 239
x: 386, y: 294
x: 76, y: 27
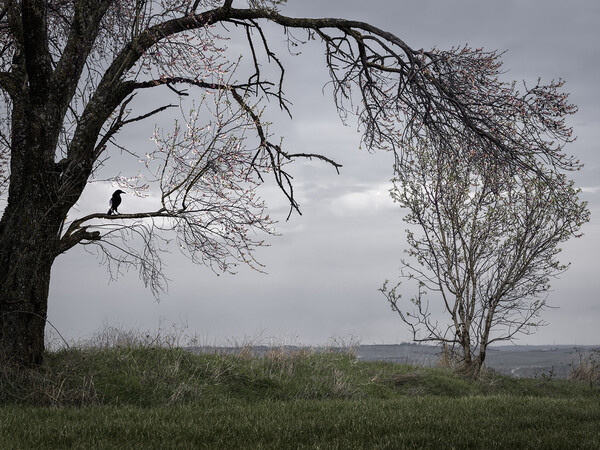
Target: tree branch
x: 76, y: 233
x: 120, y: 122
x: 84, y: 28
x: 282, y: 178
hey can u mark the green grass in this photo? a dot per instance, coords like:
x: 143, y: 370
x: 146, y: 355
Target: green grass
x: 143, y: 397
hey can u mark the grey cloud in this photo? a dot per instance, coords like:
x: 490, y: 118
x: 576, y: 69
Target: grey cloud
x: 325, y: 269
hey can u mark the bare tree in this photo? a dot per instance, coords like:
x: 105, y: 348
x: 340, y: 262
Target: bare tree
x: 69, y: 70
x: 482, y: 250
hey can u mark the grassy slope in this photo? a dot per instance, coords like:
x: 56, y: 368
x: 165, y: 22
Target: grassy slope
x: 160, y: 398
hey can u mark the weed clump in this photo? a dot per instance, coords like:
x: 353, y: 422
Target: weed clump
x: 587, y: 369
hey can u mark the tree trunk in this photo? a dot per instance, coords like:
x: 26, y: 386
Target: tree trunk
x: 31, y: 223
x: 481, y: 358
x: 470, y: 367
x: 29, y: 234
x: 26, y: 258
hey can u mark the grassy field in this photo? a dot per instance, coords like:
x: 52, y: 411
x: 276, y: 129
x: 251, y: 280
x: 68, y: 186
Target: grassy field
x: 145, y: 397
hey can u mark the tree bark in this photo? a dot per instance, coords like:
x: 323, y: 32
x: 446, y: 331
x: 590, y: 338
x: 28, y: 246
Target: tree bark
x: 28, y: 237
x: 23, y: 306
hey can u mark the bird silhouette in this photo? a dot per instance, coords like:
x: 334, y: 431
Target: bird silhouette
x: 115, y: 201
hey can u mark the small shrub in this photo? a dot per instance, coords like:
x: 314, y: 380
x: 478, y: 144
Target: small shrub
x: 587, y: 369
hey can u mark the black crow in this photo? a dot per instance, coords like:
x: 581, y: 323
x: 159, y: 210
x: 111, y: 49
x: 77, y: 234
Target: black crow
x: 115, y: 201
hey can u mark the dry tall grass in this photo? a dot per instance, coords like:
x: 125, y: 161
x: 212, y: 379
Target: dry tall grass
x: 587, y: 369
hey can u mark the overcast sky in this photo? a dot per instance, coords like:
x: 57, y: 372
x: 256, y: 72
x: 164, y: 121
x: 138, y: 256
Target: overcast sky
x: 325, y: 269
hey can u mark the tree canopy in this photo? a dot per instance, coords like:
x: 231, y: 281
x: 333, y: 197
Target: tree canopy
x: 482, y: 249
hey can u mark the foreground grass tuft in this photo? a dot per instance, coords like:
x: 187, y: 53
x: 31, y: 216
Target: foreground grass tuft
x: 154, y: 397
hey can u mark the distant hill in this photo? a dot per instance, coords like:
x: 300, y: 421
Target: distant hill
x: 520, y: 361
